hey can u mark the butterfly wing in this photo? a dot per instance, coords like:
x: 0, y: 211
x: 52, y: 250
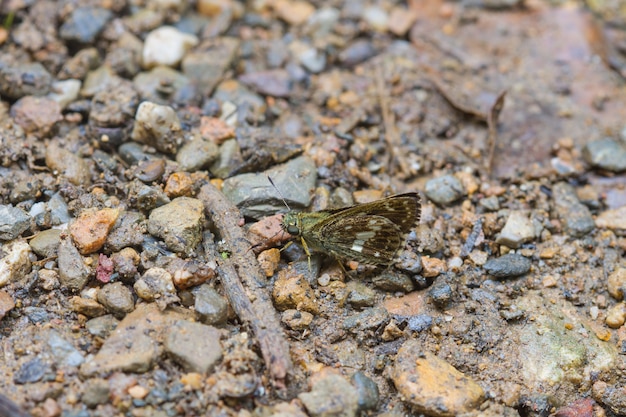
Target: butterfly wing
x: 368, y: 239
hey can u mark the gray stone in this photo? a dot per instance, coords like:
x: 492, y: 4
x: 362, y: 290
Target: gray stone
x: 606, y: 154
x: 102, y: 326
x: 73, y: 273
x: 255, y: 196
x: 46, y: 243
x: 117, y: 299
x: 444, y: 190
x: 331, y: 395
x: 179, y: 224
x: 367, y: 391
x: 13, y: 222
x: 96, y: 392
x: 507, y: 266
x: 128, y: 231
x: 371, y: 318
x: 393, y: 282
x: 207, y: 63
x: 360, y: 295
x: 63, y: 352
x: 210, y: 306
x: 194, y: 346
x: 197, y: 154
x: 156, y: 284
x: 575, y: 216
x: 84, y: 24
x: 518, y: 229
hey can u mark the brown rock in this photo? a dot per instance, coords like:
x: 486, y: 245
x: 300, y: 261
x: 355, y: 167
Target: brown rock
x: 269, y: 260
x: 90, y: 230
x: 612, y: 219
x: 294, y: 12
x: 616, y: 284
x: 6, y: 303
x: 432, y: 267
x: 292, y: 291
x: 431, y: 385
x: 179, y: 184
x: 36, y: 114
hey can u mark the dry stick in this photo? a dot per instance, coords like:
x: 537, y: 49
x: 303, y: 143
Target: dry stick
x: 253, y: 306
x: 492, y: 123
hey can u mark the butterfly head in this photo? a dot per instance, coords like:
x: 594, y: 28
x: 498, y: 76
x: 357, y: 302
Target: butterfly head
x: 291, y: 224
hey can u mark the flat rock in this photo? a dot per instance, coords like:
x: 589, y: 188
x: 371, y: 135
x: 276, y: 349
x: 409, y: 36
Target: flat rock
x: 178, y: 223
x: 508, y: 266
x: 13, y: 222
x: 90, y: 230
x: 606, y: 154
x: 194, y: 346
x: 444, y: 190
x: 517, y: 230
x: 575, y: 216
x: 330, y: 395
x: 431, y: 385
x: 612, y: 219
x: 15, y: 262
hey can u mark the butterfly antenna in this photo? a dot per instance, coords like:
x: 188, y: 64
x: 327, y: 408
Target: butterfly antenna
x: 282, y: 197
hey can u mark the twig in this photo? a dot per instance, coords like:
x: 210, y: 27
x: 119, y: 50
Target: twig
x: 252, y: 302
x: 492, y: 123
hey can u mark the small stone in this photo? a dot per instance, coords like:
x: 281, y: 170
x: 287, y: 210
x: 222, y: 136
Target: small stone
x: 46, y: 243
x: 606, y: 154
x: 275, y: 82
x: 179, y: 184
x: 6, y: 304
x: 13, y: 222
x: 441, y: 294
x: 84, y: 24
x: 616, y: 284
x: 432, y: 267
x: 612, y: 219
x: 367, y: 391
x: 294, y: 12
x: 36, y: 114
x: 138, y: 392
x: 193, y: 380
x: 268, y: 260
x: 194, y: 346
x: 87, y: 307
x: 548, y: 253
x: 360, y: 295
x: 478, y: 257
x: 575, y: 215
x: 508, y: 266
x: 444, y: 190
x: 296, y: 320
x: 48, y: 279
x: 357, y: 52
x: 376, y: 17
x: 117, y: 299
x: 166, y: 46
x: 102, y: 326
x: 517, y: 230
x: 65, y: 92
x: 330, y: 395
x: 196, y: 155
x: 368, y: 319
x: 179, y: 224
x: 431, y: 385
x: 15, y: 262
x: 210, y: 305
x: 157, y: 284
x: 616, y: 316
x: 490, y: 203
x: 90, y: 230
x: 393, y: 282
x: 128, y: 230
x: 73, y: 273
x: 292, y: 291
x: 158, y: 126
x: 401, y: 19
x: 67, y: 163
x: 96, y: 392
x: 30, y: 371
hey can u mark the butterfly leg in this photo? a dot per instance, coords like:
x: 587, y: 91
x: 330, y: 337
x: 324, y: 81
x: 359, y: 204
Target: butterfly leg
x: 306, y: 250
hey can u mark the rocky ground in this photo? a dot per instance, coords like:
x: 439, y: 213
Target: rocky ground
x: 131, y: 131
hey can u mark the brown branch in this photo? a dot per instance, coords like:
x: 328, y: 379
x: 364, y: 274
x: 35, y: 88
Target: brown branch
x: 251, y: 301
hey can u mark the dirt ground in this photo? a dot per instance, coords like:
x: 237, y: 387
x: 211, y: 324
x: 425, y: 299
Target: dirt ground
x: 148, y: 149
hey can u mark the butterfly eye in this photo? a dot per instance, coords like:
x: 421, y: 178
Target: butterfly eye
x: 292, y: 229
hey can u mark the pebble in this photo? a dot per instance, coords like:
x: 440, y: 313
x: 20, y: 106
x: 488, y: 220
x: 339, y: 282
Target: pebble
x: 65, y: 92
x: 210, y: 305
x: 256, y: 197
x: 73, y: 273
x: 616, y: 284
x: 117, y: 299
x: 90, y: 230
x: 393, y: 282
x: 401, y: 20
x: 205, y: 66
x: 490, y: 203
x: 330, y: 395
x: 138, y: 392
x: 166, y: 46
x: 367, y: 391
x: 478, y: 257
x: 612, y: 219
x: 269, y: 260
x: 78, y: 66
x: 158, y: 126
x: 95, y: 392
x: 102, y: 326
x: 294, y: 12
x: 13, y: 74
x: 312, y: 59
x: 84, y: 24
x: 87, y: 307
x: 606, y: 154
x: 296, y: 320
x: 31, y: 371
x: 179, y: 224
x: 36, y: 115
x: 421, y: 322
x: 292, y: 291
x: 156, y: 284
x: 179, y: 184
x: 163, y: 85
x: 610, y: 396
x: 195, y: 347
x: 15, y: 263
x: 441, y: 294
x: 6, y: 304
x: 444, y: 190
x: 62, y: 351
x: 575, y: 216
x: 431, y: 385
x: 616, y: 316
x: 376, y: 17
x: 508, y: 266
x: 274, y: 82
x: 432, y: 267
x: 197, y: 154
x: 322, y: 22
x: 13, y: 222
x: 517, y: 230
x: 46, y: 243
x: 368, y: 319
x: 360, y: 295
x: 358, y: 51
x: 128, y: 230
x: 111, y: 113
x: 69, y: 164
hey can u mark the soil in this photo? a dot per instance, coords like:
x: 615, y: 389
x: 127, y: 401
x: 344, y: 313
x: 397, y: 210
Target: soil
x: 148, y: 150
